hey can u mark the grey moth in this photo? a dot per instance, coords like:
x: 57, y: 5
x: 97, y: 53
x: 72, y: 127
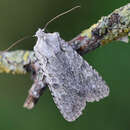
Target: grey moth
x: 71, y: 80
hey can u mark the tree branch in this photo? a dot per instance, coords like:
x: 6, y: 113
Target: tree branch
x: 115, y: 26
x: 15, y: 62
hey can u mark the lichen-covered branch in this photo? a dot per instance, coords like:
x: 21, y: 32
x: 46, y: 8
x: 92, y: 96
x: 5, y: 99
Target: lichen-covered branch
x: 115, y: 26
x: 15, y: 62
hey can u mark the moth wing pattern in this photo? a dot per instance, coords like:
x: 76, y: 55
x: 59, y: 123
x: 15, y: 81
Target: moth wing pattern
x: 71, y: 80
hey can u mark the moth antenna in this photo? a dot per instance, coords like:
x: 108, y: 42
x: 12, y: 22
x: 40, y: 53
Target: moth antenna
x: 61, y: 15
x: 15, y: 43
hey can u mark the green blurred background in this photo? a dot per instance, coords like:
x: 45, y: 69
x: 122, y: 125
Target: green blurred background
x: 19, y: 18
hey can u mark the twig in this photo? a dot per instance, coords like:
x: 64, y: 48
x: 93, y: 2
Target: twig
x: 115, y: 26
x: 15, y: 61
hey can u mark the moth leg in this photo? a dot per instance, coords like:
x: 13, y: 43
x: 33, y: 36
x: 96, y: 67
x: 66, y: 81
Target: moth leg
x: 35, y: 92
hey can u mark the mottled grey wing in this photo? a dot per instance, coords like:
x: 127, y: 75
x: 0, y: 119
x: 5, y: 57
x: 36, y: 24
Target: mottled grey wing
x: 72, y: 82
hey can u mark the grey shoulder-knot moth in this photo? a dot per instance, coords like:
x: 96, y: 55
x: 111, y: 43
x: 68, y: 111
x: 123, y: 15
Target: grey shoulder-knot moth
x: 71, y: 80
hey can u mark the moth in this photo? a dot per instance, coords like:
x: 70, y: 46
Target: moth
x: 71, y: 80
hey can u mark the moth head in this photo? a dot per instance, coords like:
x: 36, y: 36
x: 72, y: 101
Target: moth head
x: 40, y: 33
x: 47, y: 44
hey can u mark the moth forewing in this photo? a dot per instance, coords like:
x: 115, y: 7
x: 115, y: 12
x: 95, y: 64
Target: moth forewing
x: 71, y: 80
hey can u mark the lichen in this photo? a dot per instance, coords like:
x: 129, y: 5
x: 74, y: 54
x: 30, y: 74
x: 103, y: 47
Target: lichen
x: 110, y: 27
